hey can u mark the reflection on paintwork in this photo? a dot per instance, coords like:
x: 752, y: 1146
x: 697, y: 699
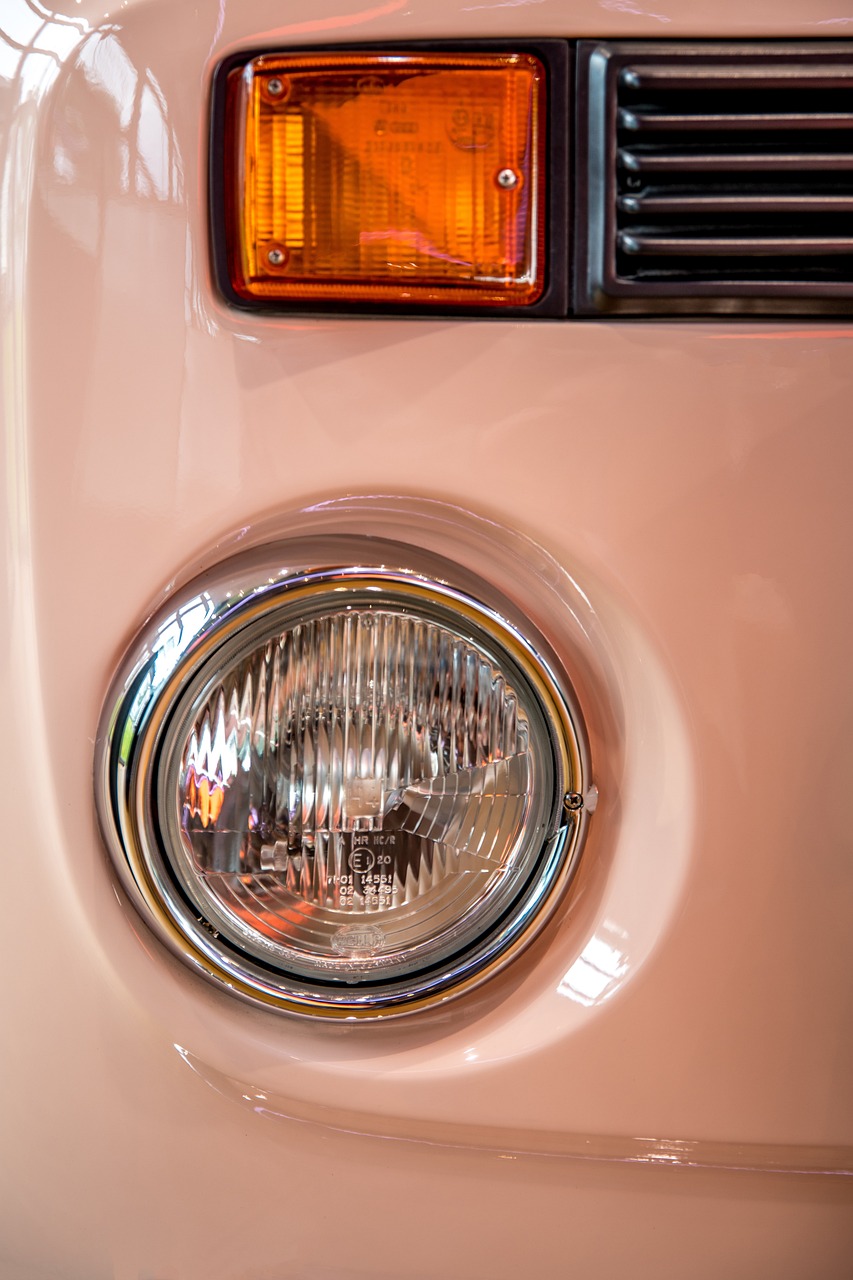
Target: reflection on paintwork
x: 150, y: 161
x: 338, y: 21
x: 107, y: 67
x: 28, y: 32
x: 629, y: 6
x: 742, y: 1157
x: 158, y: 170
x: 501, y: 4
x: 30, y: 28
x: 599, y: 968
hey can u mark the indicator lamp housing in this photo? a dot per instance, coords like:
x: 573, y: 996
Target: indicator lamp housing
x: 423, y: 181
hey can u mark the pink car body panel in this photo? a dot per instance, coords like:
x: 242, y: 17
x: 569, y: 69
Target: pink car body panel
x: 661, y: 1086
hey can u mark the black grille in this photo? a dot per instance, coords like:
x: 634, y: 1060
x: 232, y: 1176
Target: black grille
x: 718, y: 178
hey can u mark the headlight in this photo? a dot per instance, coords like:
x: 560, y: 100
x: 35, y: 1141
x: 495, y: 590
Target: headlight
x: 341, y: 789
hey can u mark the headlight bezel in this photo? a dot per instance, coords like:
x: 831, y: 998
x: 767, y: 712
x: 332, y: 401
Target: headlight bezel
x: 202, y: 619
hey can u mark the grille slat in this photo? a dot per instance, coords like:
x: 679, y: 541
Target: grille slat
x: 747, y: 203
x: 715, y: 247
x: 727, y: 175
x: 720, y: 122
x: 638, y: 161
x: 709, y: 76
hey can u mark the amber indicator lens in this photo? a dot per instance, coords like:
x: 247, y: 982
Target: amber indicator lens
x: 387, y: 178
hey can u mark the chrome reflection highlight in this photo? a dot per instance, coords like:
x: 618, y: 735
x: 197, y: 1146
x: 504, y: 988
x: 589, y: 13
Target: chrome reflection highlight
x: 342, y: 790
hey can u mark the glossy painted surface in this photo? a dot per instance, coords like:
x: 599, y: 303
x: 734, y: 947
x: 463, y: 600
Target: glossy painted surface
x: 692, y: 1008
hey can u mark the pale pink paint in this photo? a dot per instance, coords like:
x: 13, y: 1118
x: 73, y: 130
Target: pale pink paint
x: 694, y: 479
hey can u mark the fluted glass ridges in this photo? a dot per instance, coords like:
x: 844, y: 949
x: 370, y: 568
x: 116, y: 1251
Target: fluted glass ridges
x: 353, y: 792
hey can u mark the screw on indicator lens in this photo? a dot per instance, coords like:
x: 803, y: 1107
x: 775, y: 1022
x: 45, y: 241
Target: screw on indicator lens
x: 507, y: 178
x: 275, y: 88
x: 276, y: 257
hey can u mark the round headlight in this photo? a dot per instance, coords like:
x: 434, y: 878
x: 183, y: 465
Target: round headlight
x: 338, y: 789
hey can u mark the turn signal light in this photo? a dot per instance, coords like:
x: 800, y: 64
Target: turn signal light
x: 387, y: 178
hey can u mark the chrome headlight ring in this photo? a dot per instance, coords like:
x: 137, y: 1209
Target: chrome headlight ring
x: 226, y: 618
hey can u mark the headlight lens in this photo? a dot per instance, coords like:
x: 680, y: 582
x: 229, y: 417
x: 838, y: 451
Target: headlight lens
x: 362, y: 792
x: 345, y: 795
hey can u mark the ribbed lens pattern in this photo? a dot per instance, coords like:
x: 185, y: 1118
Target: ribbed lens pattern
x: 351, y: 790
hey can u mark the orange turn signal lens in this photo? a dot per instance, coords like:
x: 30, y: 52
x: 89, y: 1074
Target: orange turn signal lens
x: 387, y: 178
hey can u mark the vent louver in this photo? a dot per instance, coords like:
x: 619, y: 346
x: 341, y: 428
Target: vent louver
x: 718, y: 178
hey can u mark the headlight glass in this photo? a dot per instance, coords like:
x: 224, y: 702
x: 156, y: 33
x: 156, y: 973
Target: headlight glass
x: 360, y: 793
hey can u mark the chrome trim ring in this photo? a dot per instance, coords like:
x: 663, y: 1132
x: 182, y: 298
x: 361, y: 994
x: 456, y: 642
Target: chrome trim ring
x: 236, y: 606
